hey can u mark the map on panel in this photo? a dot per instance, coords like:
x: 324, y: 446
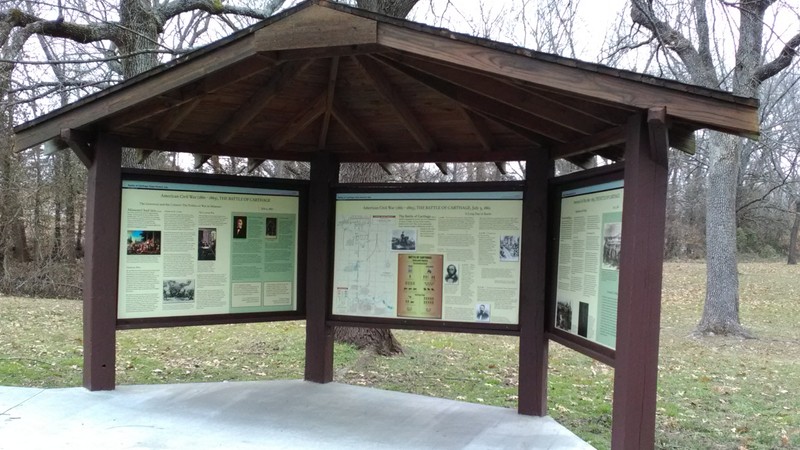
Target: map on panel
x: 364, y: 265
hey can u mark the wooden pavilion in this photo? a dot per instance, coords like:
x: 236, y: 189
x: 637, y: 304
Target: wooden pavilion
x: 327, y: 83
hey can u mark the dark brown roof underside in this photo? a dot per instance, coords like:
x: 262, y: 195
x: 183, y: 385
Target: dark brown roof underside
x: 379, y: 101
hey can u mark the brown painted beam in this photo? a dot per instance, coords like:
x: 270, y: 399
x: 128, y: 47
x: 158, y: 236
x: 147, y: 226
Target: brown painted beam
x: 639, y: 302
x: 171, y: 76
x: 319, y: 335
x: 333, y: 74
x: 387, y: 167
x: 298, y: 123
x: 81, y: 143
x: 480, y: 128
x: 533, y: 345
x: 253, y: 164
x: 196, y: 90
x: 210, y: 148
x: 658, y: 133
x: 352, y: 126
x: 485, y: 104
x: 174, y: 120
x: 103, y: 201
x: 407, y: 116
x: 722, y: 115
x: 546, y: 110
x: 200, y: 159
x: 463, y: 155
x: 142, y: 155
x: 588, y: 144
x: 283, y: 75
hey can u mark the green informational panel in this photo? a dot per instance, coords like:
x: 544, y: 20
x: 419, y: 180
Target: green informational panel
x: 194, y: 249
x: 590, y: 232
x: 443, y: 256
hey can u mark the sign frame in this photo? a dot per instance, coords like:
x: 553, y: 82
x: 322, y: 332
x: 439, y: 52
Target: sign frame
x: 559, y: 185
x: 209, y: 180
x: 411, y: 323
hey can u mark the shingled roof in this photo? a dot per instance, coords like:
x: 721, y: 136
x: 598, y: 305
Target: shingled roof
x: 326, y: 76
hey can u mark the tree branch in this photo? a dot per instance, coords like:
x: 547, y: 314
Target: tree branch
x: 642, y: 14
x: 781, y: 62
x: 82, y: 34
x: 176, y: 7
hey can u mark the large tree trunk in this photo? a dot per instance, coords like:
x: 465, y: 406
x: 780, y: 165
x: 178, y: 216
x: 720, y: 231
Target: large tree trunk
x: 721, y: 309
x: 394, y: 8
x: 793, y: 234
x: 379, y: 340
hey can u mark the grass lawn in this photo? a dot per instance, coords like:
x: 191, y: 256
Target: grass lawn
x: 713, y: 393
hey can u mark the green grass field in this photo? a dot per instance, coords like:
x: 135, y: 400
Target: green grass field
x: 713, y: 393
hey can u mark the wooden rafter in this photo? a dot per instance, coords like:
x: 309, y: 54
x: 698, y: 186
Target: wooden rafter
x: 200, y: 159
x: 605, y: 138
x: 485, y: 104
x: 299, y: 122
x: 544, y: 109
x: 210, y: 148
x: 387, y: 167
x: 253, y: 163
x: 81, y: 144
x: 704, y: 109
x: 384, y: 87
x: 185, y: 83
x: 351, y: 124
x: 142, y: 155
x: 659, y: 135
x: 174, y: 120
x: 259, y: 100
x: 331, y: 95
x: 481, y: 130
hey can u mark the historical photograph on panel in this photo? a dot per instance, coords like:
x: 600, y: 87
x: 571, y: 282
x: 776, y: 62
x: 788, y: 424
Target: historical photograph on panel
x: 207, y: 244
x: 509, y: 248
x: 564, y: 316
x: 583, y: 319
x: 483, y: 312
x: 144, y: 242
x: 272, y: 227
x: 178, y: 291
x: 239, y: 227
x: 405, y: 239
x: 612, y: 240
x: 451, y: 274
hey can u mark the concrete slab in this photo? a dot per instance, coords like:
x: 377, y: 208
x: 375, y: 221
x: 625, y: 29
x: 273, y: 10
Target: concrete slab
x: 259, y: 415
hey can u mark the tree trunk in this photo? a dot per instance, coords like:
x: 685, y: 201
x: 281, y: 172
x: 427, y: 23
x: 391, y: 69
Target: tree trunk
x: 393, y: 8
x: 721, y: 309
x: 793, y: 234
x: 140, y: 38
x: 379, y: 340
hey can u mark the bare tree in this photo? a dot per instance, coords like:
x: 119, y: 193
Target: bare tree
x: 690, y: 42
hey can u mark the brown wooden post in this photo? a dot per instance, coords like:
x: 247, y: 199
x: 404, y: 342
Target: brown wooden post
x: 639, y: 305
x: 533, y: 346
x: 101, y: 265
x: 319, y: 335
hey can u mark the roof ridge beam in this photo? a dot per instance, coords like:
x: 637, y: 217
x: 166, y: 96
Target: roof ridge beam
x: 333, y: 75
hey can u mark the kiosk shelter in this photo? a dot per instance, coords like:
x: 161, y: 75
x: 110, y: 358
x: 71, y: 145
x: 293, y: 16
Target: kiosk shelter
x: 330, y: 84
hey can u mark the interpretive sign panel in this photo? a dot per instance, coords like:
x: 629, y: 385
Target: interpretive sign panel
x: 195, y: 249
x: 448, y: 256
x: 590, y: 233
